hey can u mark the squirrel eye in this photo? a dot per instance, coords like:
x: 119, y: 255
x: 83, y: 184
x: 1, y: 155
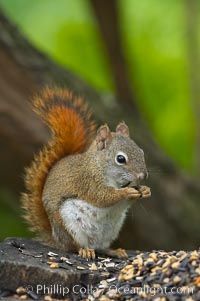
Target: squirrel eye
x: 121, y: 158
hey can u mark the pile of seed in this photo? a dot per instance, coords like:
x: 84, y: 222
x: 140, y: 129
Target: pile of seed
x: 157, y: 276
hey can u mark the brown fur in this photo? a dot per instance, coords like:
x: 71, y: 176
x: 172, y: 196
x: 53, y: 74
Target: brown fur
x: 72, y: 129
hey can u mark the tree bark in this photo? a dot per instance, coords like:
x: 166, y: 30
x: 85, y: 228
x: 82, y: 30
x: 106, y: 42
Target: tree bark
x: 170, y: 218
x: 107, y: 15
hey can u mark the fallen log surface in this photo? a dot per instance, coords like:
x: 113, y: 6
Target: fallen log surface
x: 32, y: 271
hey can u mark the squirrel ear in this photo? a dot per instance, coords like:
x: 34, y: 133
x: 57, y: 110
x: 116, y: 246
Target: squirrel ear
x: 122, y: 129
x: 103, y: 137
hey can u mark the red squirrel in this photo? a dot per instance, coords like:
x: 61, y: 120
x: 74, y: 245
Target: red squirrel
x: 81, y: 184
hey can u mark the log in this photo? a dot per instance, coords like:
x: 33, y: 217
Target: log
x: 24, y: 263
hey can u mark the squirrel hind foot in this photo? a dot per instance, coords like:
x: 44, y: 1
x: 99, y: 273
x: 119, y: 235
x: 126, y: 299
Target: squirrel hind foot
x: 117, y: 253
x: 87, y: 253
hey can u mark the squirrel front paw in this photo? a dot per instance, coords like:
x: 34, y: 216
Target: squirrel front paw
x: 131, y: 193
x: 145, y: 191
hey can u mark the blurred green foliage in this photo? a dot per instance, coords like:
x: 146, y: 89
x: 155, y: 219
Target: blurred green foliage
x: 153, y: 33
x: 11, y: 223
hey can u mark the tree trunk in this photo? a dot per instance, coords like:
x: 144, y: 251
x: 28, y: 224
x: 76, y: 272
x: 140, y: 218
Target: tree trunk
x: 170, y: 219
x: 107, y: 15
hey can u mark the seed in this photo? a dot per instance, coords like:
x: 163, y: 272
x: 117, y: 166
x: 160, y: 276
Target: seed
x: 48, y: 298
x: 54, y: 265
x: 109, y: 265
x: 166, y: 280
x: 175, y: 265
x: 20, y: 290
x: 80, y: 267
x: 194, y: 255
x: 156, y: 285
x: 111, y: 293
x: 173, y: 259
x: 176, y: 279
x: 138, y: 261
x: 142, y: 294
x: 197, y: 281
x: 167, y: 262
x: 111, y: 279
x: 149, y: 260
x: 155, y: 269
x: 154, y: 256
x: 93, y: 267
x: 126, y: 273
x: 103, y: 283
x: 127, y: 268
x: 52, y: 258
x: 64, y: 258
x: 23, y: 297
x: 97, y: 293
x: 139, y: 278
x: 52, y: 254
x: 180, y: 253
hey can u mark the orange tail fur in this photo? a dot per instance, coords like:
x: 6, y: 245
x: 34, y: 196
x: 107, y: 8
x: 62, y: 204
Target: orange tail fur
x: 72, y: 128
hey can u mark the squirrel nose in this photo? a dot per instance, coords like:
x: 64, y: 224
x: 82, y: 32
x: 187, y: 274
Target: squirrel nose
x: 142, y: 175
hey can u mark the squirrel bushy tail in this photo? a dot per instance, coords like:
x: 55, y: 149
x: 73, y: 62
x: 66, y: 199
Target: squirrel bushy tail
x: 70, y: 122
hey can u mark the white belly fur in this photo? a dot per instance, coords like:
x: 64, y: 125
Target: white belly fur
x: 93, y: 227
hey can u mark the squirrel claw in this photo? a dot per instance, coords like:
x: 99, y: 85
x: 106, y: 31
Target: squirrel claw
x: 87, y: 253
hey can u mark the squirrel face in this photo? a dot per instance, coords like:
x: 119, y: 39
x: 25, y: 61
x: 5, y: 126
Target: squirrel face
x: 123, y: 159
